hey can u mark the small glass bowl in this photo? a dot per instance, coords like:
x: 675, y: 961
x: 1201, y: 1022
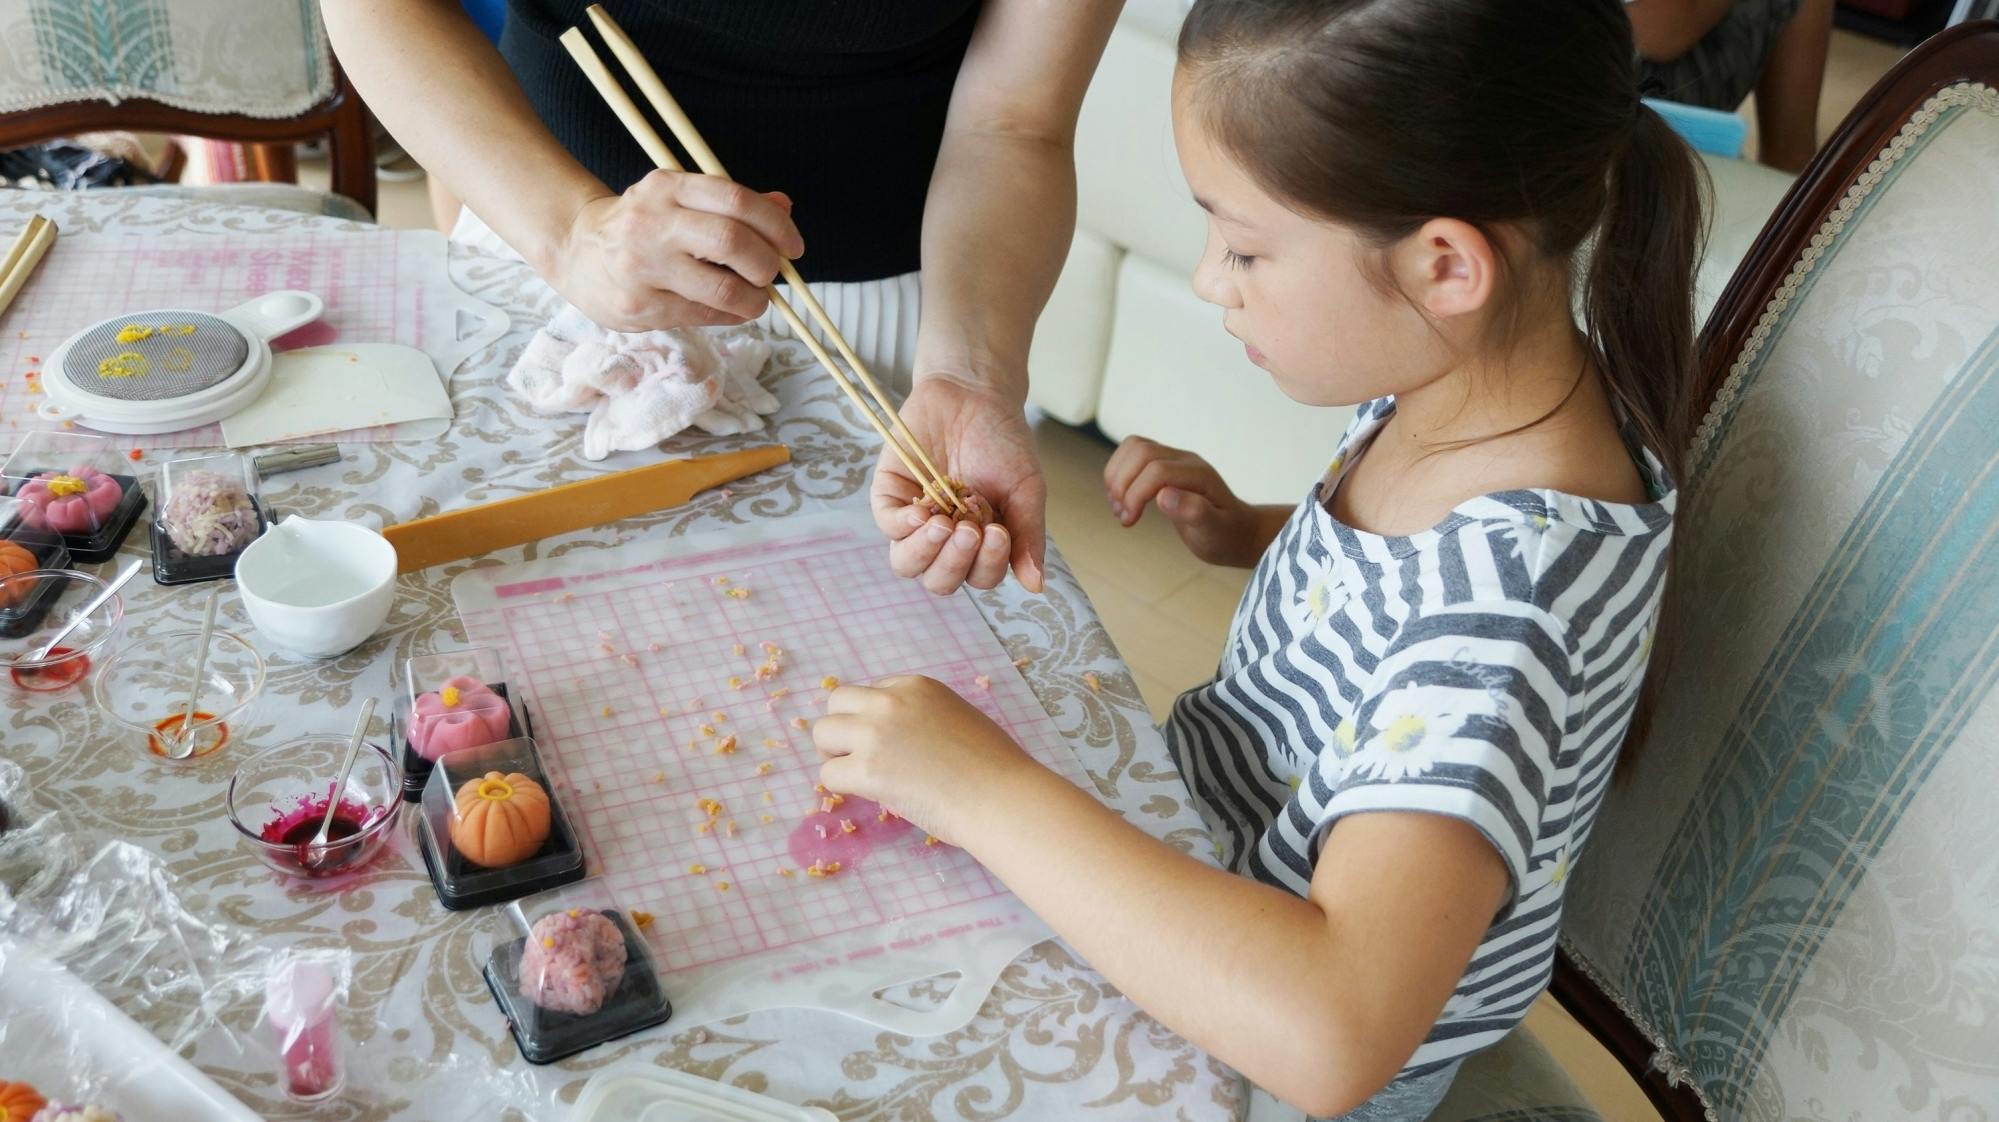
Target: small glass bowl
x: 67, y: 591
x: 144, y: 688
x: 279, y: 796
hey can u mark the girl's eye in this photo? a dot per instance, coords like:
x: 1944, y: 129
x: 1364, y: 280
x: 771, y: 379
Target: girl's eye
x: 1235, y: 260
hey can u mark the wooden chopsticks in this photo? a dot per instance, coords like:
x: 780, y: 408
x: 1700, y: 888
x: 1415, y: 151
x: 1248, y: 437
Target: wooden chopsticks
x: 22, y: 257
x: 936, y: 485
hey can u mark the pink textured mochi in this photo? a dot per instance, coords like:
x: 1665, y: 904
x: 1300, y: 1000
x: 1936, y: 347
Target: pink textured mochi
x: 480, y: 718
x: 572, y: 962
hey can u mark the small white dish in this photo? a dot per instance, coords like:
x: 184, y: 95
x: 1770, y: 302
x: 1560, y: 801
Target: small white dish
x: 317, y: 589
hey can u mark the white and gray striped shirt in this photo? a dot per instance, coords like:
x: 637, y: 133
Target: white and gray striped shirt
x: 1485, y: 669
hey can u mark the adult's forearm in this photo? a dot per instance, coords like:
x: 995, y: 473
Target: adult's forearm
x: 447, y: 96
x: 996, y: 229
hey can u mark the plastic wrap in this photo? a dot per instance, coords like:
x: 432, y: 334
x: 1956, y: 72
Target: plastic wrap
x: 109, y: 975
x: 94, y: 940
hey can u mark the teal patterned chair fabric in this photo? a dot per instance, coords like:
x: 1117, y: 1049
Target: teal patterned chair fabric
x: 1793, y: 895
x: 259, y: 58
x: 254, y: 72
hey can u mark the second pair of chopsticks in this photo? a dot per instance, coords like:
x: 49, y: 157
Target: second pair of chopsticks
x: 22, y: 257
x: 936, y: 485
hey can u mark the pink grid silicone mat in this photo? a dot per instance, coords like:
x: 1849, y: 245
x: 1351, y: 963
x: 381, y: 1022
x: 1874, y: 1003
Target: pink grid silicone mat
x: 372, y: 283
x: 626, y: 658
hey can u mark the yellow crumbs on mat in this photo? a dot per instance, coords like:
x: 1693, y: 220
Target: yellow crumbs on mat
x: 829, y: 682
x: 696, y: 869
x: 641, y: 919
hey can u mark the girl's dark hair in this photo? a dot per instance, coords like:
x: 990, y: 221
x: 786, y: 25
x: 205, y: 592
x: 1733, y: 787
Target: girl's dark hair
x: 1383, y: 114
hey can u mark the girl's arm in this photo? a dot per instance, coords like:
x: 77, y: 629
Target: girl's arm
x: 996, y: 228
x: 1318, y: 1000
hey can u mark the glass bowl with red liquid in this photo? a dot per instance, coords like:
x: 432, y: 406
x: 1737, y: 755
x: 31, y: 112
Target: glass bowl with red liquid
x: 279, y: 796
x: 145, y: 687
x: 60, y: 596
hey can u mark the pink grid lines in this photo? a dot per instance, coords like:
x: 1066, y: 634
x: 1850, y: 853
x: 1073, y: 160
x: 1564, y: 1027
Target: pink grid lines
x: 637, y: 731
x: 90, y: 277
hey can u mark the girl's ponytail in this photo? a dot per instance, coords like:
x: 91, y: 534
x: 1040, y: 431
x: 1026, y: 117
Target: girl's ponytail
x: 1638, y: 290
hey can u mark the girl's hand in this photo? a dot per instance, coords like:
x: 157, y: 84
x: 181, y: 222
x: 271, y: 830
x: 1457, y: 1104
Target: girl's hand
x: 1215, y: 525
x: 675, y: 250
x: 917, y: 748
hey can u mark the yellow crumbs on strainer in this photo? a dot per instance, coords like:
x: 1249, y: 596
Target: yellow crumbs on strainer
x: 124, y: 364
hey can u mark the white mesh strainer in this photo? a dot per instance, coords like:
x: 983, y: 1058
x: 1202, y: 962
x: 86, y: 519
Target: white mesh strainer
x: 170, y: 369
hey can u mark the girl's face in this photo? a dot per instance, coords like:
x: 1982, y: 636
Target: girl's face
x: 1297, y: 290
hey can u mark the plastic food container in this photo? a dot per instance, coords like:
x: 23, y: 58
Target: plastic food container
x: 451, y: 701
x: 69, y: 483
x: 208, y: 513
x: 24, y: 550
x: 144, y: 687
x: 645, y: 1093
x: 575, y: 974
x: 492, y: 827
x: 66, y: 593
x: 278, y: 798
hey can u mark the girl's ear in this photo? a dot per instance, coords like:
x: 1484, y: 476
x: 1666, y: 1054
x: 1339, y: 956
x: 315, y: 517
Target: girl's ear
x: 1447, y: 267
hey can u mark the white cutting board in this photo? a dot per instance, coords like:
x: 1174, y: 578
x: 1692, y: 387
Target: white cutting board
x: 337, y: 389
x: 61, y: 1036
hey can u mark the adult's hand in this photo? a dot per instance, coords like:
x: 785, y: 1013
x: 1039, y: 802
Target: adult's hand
x: 980, y: 436
x: 675, y: 250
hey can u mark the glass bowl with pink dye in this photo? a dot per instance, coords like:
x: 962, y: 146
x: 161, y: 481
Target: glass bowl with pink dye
x: 279, y: 796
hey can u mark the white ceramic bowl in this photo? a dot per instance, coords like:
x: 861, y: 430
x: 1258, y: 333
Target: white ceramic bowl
x: 317, y: 589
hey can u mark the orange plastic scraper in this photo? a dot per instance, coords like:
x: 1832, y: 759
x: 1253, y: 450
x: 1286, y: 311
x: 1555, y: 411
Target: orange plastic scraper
x: 458, y: 534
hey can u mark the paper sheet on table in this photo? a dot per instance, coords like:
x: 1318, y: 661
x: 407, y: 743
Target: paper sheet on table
x: 316, y: 390
x: 380, y: 286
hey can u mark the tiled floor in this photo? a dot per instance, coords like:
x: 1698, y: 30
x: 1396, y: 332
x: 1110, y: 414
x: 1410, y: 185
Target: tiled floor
x: 1169, y: 613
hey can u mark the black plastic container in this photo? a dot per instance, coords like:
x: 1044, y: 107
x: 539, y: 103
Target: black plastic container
x: 17, y: 620
x: 170, y: 564
x: 92, y: 549
x: 417, y: 769
x: 545, y: 1036
x: 461, y: 884
x: 80, y: 455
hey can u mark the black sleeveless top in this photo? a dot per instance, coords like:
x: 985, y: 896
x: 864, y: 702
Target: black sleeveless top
x: 838, y: 103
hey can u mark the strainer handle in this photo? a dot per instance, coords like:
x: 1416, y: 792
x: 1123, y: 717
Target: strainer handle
x: 274, y: 313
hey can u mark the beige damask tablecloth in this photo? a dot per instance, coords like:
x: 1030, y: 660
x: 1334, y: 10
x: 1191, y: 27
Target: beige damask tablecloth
x: 1053, y: 1041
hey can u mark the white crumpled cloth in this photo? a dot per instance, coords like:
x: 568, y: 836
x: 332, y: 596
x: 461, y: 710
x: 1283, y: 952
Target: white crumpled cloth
x: 642, y: 387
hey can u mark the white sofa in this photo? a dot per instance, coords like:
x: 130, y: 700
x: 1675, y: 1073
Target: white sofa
x: 1125, y: 343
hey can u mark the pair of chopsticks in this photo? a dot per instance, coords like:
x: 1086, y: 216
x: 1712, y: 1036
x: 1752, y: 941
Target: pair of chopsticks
x: 936, y: 485
x: 22, y: 257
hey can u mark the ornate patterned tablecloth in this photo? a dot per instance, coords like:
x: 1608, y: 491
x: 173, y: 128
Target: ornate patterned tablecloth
x: 1053, y: 1041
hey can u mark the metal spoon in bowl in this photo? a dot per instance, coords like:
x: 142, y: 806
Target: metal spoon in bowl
x: 184, y: 739
x: 127, y: 573
x: 313, y: 853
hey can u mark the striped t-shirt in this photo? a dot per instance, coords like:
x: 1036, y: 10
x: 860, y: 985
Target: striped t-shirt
x: 1485, y: 669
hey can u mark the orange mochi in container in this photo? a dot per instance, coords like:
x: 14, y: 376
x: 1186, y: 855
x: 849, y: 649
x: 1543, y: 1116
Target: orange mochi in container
x: 493, y: 827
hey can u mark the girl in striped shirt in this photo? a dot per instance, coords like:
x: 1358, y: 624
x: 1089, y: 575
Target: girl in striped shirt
x: 1426, y: 683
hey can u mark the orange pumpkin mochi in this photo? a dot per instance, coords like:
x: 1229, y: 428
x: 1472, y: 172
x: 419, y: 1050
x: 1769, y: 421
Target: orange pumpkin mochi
x: 15, y: 558
x: 499, y: 819
x: 19, y: 1102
